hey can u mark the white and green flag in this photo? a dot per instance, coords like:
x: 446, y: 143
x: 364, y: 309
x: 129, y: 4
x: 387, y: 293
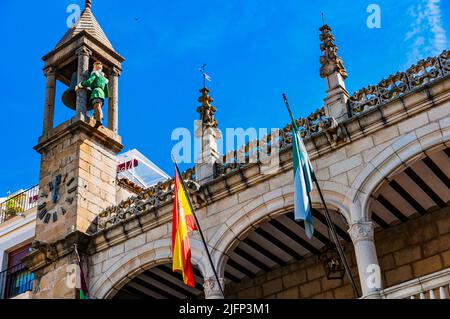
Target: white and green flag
x: 303, y: 179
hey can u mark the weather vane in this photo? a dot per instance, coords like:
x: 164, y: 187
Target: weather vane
x: 206, y: 77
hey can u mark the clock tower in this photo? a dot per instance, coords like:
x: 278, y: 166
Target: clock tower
x: 78, y: 157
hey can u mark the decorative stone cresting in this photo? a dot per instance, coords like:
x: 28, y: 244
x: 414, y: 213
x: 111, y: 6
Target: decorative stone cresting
x: 153, y: 197
x: 401, y: 83
x: 316, y: 123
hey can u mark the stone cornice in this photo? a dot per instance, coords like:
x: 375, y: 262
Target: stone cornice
x: 47, y: 253
x: 60, y: 53
x: 78, y: 122
x: 133, y: 226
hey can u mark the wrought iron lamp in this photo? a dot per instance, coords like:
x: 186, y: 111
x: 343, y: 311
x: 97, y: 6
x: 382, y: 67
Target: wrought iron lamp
x: 334, y: 269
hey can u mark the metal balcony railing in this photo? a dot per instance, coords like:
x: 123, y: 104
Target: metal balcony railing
x: 15, y: 281
x: 19, y: 203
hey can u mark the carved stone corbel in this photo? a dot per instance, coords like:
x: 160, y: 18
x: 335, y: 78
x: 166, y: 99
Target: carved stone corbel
x: 195, y: 192
x: 49, y: 250
x: 332, y: 130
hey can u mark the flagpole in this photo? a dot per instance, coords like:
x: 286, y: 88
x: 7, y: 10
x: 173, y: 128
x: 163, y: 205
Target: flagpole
x: 83, y: 279
x: 328, y: 218
x: 198, y: 225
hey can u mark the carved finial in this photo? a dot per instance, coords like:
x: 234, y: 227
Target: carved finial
x: 330, y: 61
x: 88, y: 4
x: 206, y: 110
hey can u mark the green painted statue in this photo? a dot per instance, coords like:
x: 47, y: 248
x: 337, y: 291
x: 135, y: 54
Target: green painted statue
x: 98, y: 85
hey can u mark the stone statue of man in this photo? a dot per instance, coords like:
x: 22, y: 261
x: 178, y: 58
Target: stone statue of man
x: 98, y: 84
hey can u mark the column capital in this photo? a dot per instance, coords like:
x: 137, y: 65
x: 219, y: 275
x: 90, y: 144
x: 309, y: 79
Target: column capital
x: 362, y: 230
x: 83, y: 50
x: 212, y: 289
x: 49, y: 71
x: 115, y: 71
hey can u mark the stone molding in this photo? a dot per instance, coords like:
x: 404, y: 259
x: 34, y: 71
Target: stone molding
x: 80, y: 122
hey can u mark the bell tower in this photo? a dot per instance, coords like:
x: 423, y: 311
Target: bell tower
x: 78, y: 158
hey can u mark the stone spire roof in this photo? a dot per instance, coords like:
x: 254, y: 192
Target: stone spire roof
x: 330, y: 61
x: 89, y: 24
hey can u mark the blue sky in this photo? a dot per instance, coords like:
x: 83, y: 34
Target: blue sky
x: 255, y: 50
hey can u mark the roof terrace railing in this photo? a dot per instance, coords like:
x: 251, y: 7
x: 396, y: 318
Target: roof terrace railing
x: 18, y: 204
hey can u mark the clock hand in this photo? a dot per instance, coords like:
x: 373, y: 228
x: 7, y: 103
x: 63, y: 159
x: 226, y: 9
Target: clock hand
x: 56, y: 183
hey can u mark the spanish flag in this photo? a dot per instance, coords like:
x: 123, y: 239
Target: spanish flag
x: 183, y: 222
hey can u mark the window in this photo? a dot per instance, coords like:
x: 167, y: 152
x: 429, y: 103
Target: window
x: 17, y: 279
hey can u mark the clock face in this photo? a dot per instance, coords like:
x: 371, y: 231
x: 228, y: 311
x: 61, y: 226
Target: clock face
x: 58, y: 195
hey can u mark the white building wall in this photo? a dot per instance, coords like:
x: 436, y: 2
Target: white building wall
x: 15, y: 233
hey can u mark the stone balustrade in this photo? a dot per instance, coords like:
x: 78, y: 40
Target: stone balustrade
x: 432, y: 286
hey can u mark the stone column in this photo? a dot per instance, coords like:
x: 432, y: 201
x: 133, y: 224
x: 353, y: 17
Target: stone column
x: 366, y: 258
x: 212, y: 289
x: 83, y: 54
x: 113, y: 101
x: 50, y: 90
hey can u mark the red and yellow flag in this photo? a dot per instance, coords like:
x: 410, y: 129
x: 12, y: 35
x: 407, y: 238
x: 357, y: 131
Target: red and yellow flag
x: 183, y: 222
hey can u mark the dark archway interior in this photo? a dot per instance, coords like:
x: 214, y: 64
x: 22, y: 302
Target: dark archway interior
x: 279, y: 242
x: 161, y: 283
x: 421, y: 188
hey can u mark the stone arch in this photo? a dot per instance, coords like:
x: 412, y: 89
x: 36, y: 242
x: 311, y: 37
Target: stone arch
x: 400, y: 154
x: 132, y: 263
x: 239, y: 225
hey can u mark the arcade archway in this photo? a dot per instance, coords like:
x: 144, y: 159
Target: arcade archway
x: 160, y: 282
